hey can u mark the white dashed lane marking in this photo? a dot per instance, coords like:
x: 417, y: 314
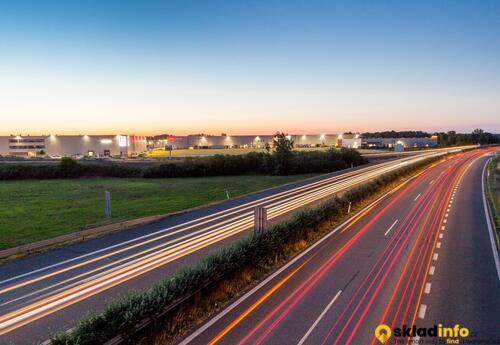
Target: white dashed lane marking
x: 388, y: 230
x: 421, y: 312
x: 427, y: 289
x: 431, y: 270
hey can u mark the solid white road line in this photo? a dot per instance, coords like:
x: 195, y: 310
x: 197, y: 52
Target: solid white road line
x: 427, y: 289
x: 395, y: 222
x: 421, y: 312
x: 488, y: 222
x: 418, y: 196
x: 309, y: 331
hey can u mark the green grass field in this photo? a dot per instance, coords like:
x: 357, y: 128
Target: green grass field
x: 33, y: 210
x: 208, y: 152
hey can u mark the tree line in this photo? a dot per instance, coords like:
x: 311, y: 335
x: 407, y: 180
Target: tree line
x: 450, y: 138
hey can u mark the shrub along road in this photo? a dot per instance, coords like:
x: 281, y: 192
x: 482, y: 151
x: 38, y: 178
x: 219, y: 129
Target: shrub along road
x: 58, y: 285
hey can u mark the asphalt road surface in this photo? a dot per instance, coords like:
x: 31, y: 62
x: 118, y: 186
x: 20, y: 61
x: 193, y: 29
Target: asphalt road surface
x: 421, y: 255
x: 48, y: 292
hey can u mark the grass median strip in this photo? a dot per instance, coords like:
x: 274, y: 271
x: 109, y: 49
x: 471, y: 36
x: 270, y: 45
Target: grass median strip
x: 34, y: 210
x: 195, y: 292
x: 493, y: 188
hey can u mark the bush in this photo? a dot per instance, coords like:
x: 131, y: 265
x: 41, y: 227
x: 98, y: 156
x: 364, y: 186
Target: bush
x: 67, y: 168
x: 259, y: 163
x: 121, y: 316
x: 217, y: 165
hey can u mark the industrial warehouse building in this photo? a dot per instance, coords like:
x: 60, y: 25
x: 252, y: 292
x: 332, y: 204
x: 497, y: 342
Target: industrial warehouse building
x: 406, y: 142
x: 72, y: 145
x: 130, y: 145
x: 201, y: 141
x: 348, y: 140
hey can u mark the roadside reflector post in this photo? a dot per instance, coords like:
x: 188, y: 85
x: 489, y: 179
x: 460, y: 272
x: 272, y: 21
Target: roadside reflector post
x: 107, y: 204
x: 349, y: 208
x: 260, y: 219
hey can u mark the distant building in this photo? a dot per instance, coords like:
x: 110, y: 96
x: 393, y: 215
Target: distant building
x: 399, y: 146
x: 406, y: 142
x: 72, y: 145
x: 205, y: 141
x: 349, y: 140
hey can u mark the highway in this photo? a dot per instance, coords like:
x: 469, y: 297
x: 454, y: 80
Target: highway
x: 48, y: 292
x: 421, y: 255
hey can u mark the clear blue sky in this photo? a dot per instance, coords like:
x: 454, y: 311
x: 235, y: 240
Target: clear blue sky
x: 248, y: 66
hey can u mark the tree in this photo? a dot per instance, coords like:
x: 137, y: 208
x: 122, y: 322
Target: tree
x: 268, y: 147
x: 68, y: 167
x: 283, y: 146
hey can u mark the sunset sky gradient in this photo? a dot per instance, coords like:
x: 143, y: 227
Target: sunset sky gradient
x: 241, y: 67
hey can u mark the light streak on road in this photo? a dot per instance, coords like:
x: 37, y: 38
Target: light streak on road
x: 194, y: 235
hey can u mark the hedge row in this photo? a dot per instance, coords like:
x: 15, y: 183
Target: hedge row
x: 121, y: 316
x: 217, y: 165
